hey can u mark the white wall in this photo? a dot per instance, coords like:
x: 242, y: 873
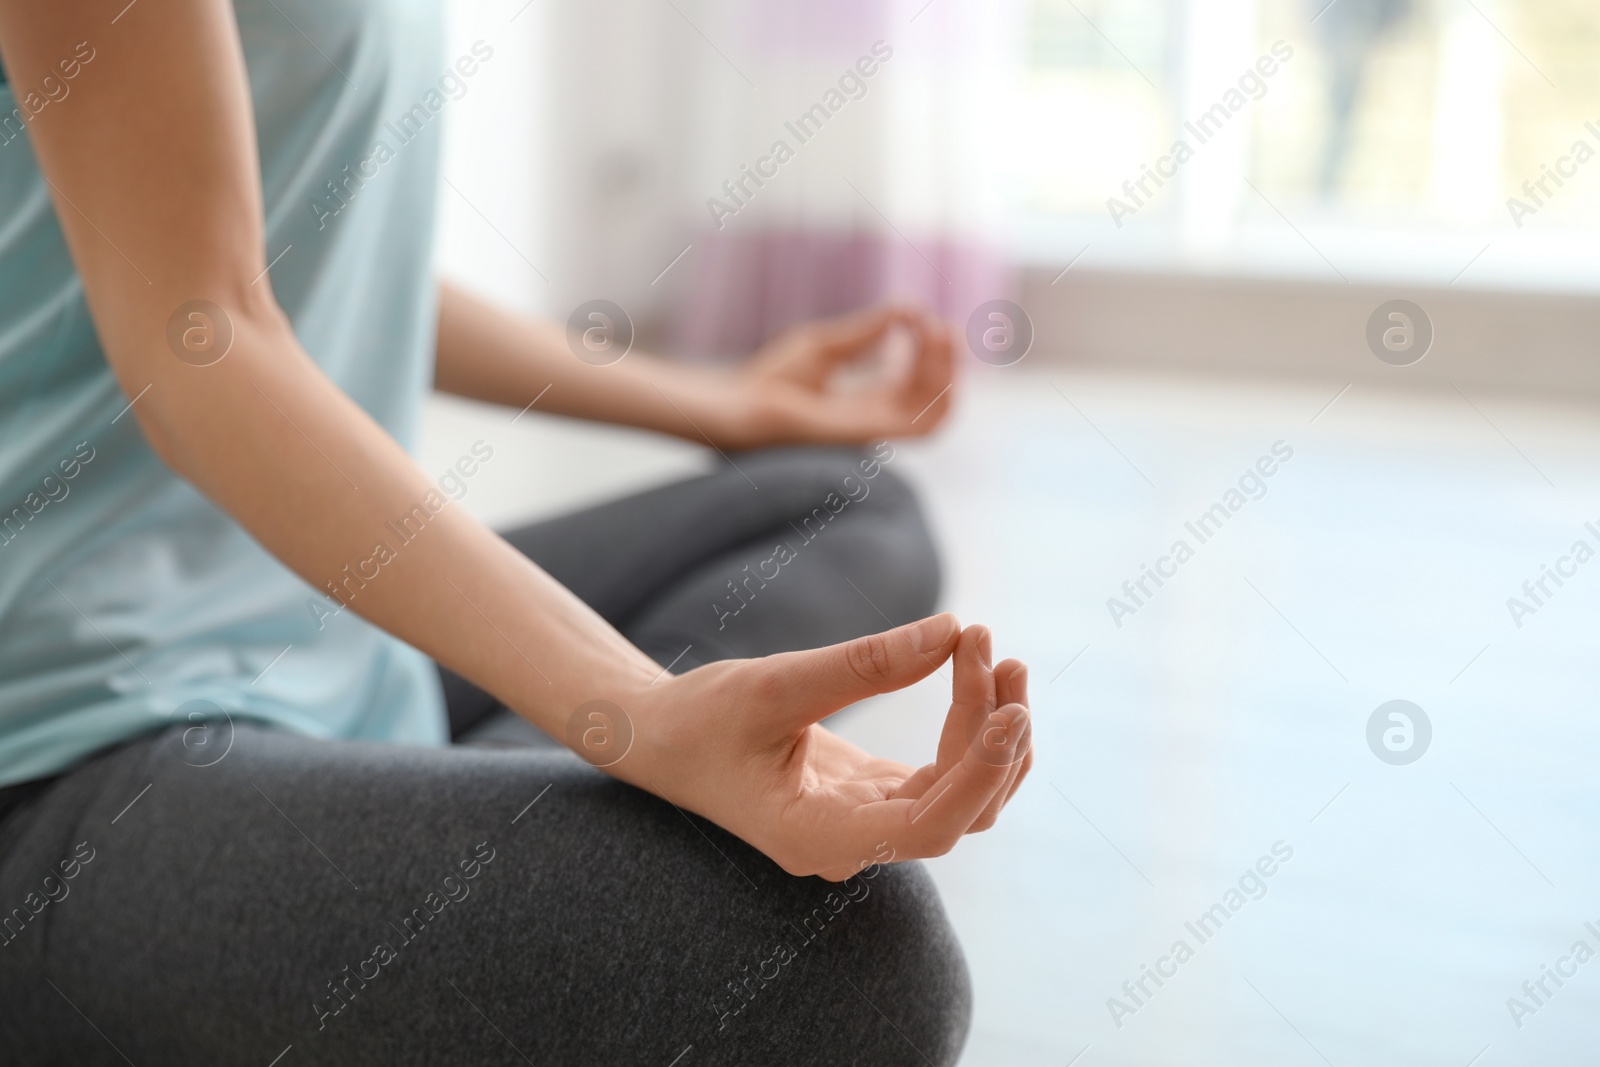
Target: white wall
x: 493, y: 220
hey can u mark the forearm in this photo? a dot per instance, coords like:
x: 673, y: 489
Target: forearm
x: 339, y: 502
x: 488, y: 353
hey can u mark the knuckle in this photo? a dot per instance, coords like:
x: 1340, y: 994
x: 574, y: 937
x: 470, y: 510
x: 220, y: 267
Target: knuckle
x: 869, y: 658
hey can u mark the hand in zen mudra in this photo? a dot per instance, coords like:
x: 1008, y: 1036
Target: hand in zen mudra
x: 787, y: 388
x: 739, y: 742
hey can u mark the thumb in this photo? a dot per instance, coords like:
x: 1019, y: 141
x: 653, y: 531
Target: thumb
x: 805, y: 687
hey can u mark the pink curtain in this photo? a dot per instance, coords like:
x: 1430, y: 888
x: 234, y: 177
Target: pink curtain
x: 888, y: 201
x: 749, y: 286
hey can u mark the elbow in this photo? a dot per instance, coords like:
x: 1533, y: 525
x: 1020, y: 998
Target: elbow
x: 167, y: 442
x: 189, y: 408
x: 161, y: 442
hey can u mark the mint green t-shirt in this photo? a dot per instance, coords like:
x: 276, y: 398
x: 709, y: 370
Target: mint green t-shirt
x: 127, y: 600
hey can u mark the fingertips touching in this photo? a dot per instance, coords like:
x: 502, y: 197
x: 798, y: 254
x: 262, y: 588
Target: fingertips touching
x: 935, y: 635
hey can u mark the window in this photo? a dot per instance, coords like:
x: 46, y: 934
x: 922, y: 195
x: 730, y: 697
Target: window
x: 1420, y: 140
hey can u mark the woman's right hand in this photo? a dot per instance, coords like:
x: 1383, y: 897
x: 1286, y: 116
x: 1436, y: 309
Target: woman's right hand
x: 739, y: 742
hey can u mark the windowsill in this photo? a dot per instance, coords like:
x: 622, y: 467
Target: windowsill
x: 1288, y: 326
x: 1504, y: 259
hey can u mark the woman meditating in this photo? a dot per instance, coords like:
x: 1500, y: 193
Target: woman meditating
x: 290, y: 743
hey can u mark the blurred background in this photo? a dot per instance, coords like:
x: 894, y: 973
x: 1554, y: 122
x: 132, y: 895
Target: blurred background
x: 1191, y: 310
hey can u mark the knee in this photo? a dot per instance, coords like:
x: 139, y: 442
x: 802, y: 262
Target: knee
x: 891, y: 551
x: 877, y: 977
x: 910, y: 969
x: 903, y: 557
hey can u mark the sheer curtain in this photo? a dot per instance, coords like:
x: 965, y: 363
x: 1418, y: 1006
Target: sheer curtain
x: 722, y: 169
x: 891, y: 113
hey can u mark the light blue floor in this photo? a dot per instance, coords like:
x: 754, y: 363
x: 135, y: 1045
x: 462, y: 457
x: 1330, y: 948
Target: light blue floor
x: 1229, y: 714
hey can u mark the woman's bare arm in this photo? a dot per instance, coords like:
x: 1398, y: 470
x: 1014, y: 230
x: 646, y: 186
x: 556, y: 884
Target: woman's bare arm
x: 781, y: 396
x: 487, y: 353
x: 154, y: 173
x: 155, y: 179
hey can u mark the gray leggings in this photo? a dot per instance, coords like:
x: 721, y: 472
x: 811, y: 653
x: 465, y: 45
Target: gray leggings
x: 497, y: 901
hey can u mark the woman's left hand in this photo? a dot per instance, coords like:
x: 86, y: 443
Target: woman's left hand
x: 739, y: 742
x: 786, y: 393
